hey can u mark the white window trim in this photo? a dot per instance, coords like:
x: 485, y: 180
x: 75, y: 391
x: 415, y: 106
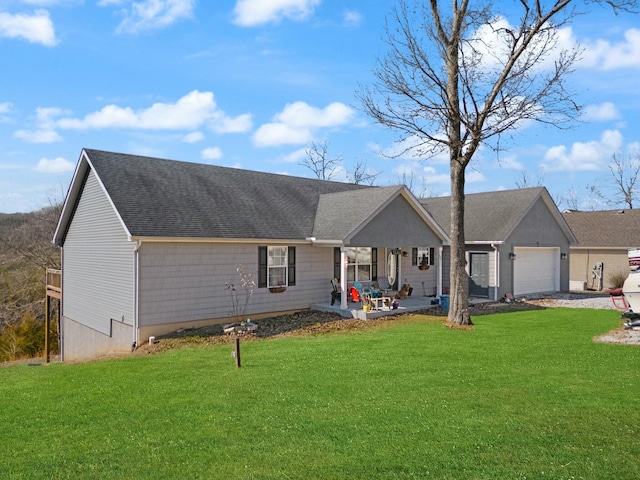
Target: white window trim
x: 270, y: 267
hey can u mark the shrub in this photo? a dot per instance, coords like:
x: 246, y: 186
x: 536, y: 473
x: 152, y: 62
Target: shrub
x: 617, y: 278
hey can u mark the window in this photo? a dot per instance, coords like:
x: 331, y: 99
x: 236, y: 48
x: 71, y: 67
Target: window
x: 276, y: 266
x: 359, y: 266
x: 422, y: 256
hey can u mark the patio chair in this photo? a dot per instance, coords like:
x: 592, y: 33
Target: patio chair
x: 336, y: 294
x: 355, y: 295
x: 385, y: 288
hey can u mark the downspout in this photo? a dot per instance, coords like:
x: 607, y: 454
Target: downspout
x: 497, y: 272
x: 439, y: 278
x: 136, y: 270
x: 61, y: 306
x: 343, y: 279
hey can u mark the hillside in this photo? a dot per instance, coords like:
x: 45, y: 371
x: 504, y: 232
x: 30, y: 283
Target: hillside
x: 25, y: 253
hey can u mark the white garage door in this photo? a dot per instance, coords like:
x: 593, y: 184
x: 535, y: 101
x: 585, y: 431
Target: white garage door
x: 536, y: 270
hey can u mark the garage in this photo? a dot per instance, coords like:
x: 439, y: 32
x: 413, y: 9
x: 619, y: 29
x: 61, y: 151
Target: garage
x: 536, y: 269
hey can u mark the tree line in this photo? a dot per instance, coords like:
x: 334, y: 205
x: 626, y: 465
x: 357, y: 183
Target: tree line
x: 26, y: 252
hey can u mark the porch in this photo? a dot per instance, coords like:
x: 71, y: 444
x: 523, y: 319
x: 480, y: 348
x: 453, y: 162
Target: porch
x: 406, y: 305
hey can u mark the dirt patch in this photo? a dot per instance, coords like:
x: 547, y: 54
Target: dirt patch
x: 307, y: 323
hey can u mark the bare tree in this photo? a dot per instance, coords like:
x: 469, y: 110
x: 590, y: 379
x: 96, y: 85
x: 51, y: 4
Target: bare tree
x: 621, y: 188
x: 362, y: 175
x: 527, y: 181
x: 455, y: 79
x: 319, y: 163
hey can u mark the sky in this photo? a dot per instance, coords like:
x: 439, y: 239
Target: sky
x: 253, y: 83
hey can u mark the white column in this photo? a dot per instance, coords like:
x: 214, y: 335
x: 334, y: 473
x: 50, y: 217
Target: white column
x: 343, y: 279
x: 439, y: 278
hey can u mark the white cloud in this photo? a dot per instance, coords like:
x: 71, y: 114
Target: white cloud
x: 212, y: 153
x: 54, y: 165
x: 249, y: 13
x: 189, y: 113
x: 510, y: 162
x: 592, y: 155
x: 35, y: 28
x: 493, y: 44
x: 5, y: 107
x: 239, y: 124
x: 475, y: 177
x: 600, y: 113
x: 295, y: 156
x: 193, y: 137
x: 351, y: 18
x: 605, y: 55
x: 431, y: 177
x: 38, y: 136
x: 152, y: 14
x: 298, y: 121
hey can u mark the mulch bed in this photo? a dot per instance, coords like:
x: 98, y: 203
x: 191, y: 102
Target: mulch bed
x: 303, y: 323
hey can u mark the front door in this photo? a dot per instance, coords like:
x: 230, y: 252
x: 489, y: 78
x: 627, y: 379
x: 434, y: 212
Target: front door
x: 479, y: 274
x: 393, y: 267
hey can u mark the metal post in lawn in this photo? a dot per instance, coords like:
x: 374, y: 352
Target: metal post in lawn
x: 236, y: 352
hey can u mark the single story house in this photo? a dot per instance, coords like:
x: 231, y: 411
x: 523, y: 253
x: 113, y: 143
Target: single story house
x: 152, y: 245
x: 517, y: 241
x: 604, y: 237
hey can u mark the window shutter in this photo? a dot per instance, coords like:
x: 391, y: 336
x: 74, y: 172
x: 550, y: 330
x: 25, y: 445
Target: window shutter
x: 374, y: 264
x: 414, y: 256
x: 291, y: 258
x: 262, y: 267
x: 432, y: 255
x: 336, y: 263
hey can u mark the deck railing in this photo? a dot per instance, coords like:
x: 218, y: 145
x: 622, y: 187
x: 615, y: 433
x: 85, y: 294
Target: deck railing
x: 54, y: 283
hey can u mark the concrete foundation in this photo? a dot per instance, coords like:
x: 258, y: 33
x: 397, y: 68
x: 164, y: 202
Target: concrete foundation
x: 82, y: 343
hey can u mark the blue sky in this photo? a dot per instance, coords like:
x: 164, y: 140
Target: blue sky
x: 251, y: 83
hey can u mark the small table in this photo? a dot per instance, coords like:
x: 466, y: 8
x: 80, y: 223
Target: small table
x: 385, y: 301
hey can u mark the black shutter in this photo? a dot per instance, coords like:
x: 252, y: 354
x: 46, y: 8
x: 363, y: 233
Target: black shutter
x: 291, y: 257
x: 336, y: 263
x: 432, y: 256
x: 414, y: 256
x: 374, y: 264
x: 262, y: 267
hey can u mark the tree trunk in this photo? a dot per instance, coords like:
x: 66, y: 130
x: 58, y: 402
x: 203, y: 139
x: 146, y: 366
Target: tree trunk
x: 458, y: 301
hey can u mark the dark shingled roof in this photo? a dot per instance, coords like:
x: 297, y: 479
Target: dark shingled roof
x: 490, y: 216
x: 168, y: 198
x: 606, y: 228
x: 180, y: 199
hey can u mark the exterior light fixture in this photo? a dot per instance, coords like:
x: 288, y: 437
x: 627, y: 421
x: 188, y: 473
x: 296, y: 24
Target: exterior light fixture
x: 512, y: 256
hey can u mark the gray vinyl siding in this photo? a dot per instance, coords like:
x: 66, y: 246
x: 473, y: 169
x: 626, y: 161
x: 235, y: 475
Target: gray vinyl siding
x: 184, y: 282
x: 97, y: 264
x: 398, y: 224
x: 538, y: 228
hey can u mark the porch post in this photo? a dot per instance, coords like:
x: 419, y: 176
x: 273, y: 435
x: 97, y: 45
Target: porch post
x: 343, y: 279
x: 439, y: 278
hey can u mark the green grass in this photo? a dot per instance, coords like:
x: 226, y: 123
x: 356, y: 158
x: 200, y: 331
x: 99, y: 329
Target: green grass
x: 522, y: 395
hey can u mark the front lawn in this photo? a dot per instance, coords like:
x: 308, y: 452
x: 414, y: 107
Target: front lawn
x: 522, y: 395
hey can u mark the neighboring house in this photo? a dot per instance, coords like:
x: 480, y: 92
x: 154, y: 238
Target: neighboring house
x: 148, y: 245
x: 516, y: 241
x: 603, y: 237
